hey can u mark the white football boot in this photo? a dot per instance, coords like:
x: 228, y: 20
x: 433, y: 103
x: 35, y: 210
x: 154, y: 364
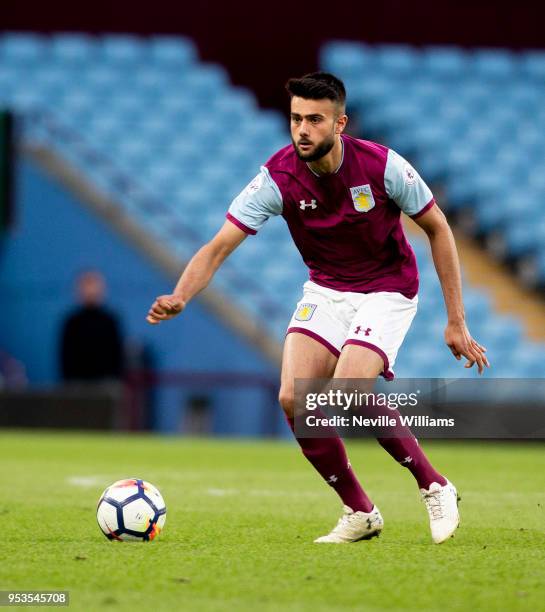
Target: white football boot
x: 354, y: 526
x: 442, y: 505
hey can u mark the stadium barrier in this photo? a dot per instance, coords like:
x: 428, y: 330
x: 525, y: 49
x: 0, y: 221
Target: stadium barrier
x: 130, y: 405
x: 139, y: 384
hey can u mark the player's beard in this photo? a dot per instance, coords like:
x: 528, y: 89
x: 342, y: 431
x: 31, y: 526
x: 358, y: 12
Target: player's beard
x: 320, y: 151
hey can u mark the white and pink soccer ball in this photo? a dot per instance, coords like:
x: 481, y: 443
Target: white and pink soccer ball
x: 131, y: 510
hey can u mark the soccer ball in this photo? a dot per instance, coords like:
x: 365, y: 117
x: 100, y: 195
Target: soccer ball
x: 131, y: 510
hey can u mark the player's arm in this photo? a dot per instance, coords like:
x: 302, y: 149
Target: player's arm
x: 197, y: 274
x: 407, y: 189
x: 248, y: 212
x: 445, y: 259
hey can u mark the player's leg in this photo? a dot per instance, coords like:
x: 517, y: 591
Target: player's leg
x: 374, y: 338
x: 315, y: 336
x: 361, y: 362
x: 304, y: 357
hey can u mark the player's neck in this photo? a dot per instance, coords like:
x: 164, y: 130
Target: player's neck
x: 330, y: 163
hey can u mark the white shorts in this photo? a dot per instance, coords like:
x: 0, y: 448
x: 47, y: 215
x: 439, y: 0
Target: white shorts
x: 378, y: 321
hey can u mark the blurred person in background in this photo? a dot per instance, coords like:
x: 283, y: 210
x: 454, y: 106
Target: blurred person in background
x: 91, y: 345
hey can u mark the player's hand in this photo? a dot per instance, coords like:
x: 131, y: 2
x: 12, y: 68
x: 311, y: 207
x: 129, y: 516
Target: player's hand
x: 164, y: 308
x: 461, y: 344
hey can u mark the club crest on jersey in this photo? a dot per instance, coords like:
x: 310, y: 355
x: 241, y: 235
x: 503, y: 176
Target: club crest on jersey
x: 362, y: 197
x: 305, y: 312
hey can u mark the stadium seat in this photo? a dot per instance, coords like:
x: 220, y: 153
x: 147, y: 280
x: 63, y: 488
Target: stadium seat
x: 397, y: 61
x: 74, y: 49
x: 533, y: 65
x: 122, y: 51
x: 445, y: 62
x: 172, y: 51
x: 19, y: 49
x: 493, y: 64
x: 345, y: 59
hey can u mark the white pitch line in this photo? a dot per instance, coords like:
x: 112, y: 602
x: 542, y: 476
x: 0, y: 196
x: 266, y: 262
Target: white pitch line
x: 221, y: 492
x: 86, y: 481
x: 261, y: 493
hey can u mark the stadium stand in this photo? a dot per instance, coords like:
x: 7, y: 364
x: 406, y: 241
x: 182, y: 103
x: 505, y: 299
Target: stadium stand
x: 171, y: 141
x: 472, y: 121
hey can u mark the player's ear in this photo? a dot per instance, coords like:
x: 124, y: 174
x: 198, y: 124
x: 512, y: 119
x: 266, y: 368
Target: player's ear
x: 340, y: 124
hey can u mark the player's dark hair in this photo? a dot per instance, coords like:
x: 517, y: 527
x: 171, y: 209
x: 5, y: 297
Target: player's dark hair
x: 317, y: 86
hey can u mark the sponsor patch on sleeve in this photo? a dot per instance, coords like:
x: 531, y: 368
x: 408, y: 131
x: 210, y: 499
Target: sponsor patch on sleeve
x: 255, y: 184
x: 409, y: 174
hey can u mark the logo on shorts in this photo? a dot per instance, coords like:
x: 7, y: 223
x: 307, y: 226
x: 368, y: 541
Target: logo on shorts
x: 359, y: 329
x: 362, y: 197
x: 305, y: 312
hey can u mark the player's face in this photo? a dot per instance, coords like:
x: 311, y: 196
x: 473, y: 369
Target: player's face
x: 314, y: 124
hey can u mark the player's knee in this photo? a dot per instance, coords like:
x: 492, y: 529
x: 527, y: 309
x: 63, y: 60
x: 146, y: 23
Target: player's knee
x: 285, y: 397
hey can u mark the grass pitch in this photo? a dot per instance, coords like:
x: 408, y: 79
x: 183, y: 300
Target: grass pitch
x: 241, y: 517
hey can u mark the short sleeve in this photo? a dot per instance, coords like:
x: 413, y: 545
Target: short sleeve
x: 405, y: 186
x: 260, y: 200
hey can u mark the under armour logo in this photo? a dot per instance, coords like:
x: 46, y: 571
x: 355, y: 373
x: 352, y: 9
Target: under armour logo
x: 407, y: 460
x: 369, y: 523
x: 303, y: 204
x: 332, y: 479
x: 365, y: 331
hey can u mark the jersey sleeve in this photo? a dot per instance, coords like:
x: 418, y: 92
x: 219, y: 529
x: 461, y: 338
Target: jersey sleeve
x: 406, y: 187
x: 259, y: 200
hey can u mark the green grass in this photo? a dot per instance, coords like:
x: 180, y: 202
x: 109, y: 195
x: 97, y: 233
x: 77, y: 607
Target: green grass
x: 241, y: 520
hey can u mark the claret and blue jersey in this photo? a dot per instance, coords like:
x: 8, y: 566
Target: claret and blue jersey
x: 346, y: 224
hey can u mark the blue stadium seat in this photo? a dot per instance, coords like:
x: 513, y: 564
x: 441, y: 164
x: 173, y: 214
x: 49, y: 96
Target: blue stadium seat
x: 235, y: 106
x: 533, y: 65
x: 497, y: 211
x: 397, y: 61
x: 503, y: 330
x: 102, y: 79
x: 54, y: 83
x: 172, y: 51
x: 153, y: 82
x: 173, y: 103
x: 524, y: 96
x: 121, y: 50
x: 445, y: 62
x: 530, y: 140
x: 493, y: 64
x: 478, y: 307
x: 205, y: 82
x: 521, y: 237
x: 454, y: 113
x: 345, y: 59
x: 9, y: 76
x: 375, y: 88
x: 73, y: 49
x: 19, y: 49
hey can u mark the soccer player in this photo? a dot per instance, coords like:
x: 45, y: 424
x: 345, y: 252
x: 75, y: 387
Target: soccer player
x: 342, y: 199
